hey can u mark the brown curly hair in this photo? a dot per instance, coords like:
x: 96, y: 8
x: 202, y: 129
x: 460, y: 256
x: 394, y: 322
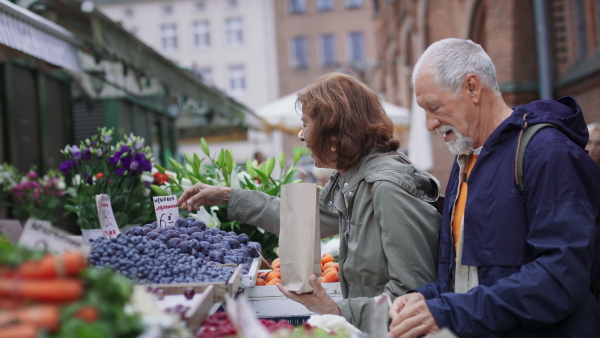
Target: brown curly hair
x: 348, y: 120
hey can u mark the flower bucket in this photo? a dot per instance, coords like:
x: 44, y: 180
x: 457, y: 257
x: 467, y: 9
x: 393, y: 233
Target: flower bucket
x: 88, y: 234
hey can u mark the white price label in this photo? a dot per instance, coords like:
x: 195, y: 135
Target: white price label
x: 38, y: 235
x: 167, y: 211
x: 108, y: 224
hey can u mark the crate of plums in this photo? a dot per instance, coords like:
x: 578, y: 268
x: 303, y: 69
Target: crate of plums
x: 173, y: 259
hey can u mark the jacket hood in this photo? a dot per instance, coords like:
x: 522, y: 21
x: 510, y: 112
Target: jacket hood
x: 564, y: 113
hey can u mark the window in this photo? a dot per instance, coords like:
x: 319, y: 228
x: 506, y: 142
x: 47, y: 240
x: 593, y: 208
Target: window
x: 129, y: 13
x: 234, y: 32
x: 356, y: 50
x: 237, y: 79
x: 327, y: 47
x: 297, y: 6
x: 324, y: 5
x: 167, y: 10
x: 200, y: 6
x: 201, y: 35
x: 353, y: 3
x: 299, y: 53
x: 206, y: 74
x: 169, y: 37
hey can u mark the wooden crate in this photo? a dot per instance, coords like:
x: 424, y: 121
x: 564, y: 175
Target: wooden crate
x: 219, y: 288
x: 200, y: 306
x: 249, y: 279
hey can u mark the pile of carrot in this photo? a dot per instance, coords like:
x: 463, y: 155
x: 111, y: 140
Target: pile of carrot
x: 34, y: 292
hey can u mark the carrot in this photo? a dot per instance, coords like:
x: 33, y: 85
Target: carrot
x: 39, y: 316
x: 87, y: 313
x: 10, y: 304
x: 19, y: 331
x: 50, y: 266
x: 52, y: 290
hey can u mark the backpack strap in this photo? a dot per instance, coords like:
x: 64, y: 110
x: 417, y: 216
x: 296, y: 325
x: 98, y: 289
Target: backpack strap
x: 525, y: 136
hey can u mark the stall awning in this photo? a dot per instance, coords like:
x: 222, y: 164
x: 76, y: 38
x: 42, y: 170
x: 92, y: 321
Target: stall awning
x: 32, y: 34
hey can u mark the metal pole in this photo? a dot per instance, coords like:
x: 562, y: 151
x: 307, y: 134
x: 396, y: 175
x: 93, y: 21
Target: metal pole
x: 543, y: 49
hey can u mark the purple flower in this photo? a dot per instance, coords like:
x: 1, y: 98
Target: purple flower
x: 87, y: 154
x: 147, y: 184
x: 93, y: 144
x: 88, y: 179
x: 65, y: 167
x: 77, y: 155
x: 99, y: 152
x: 133, y: 165
x: 74, y: 149
x: 120, y: 171
x: 32, y: 175
x: 115, y: 159
x: 124, y: 148
x: 74, y: 163
x: 107, y: 138
x: 139, y: 144
x: 126, y: 161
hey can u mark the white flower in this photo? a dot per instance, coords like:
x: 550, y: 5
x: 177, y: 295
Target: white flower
x: 210, y: 219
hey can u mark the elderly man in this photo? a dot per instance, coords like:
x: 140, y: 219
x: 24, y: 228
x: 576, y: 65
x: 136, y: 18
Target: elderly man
x: 509, y: 264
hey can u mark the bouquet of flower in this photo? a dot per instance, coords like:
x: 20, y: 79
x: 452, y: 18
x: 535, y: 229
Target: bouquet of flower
x: 38, y: 197
x: 222, y: 171
x: 98, y: 167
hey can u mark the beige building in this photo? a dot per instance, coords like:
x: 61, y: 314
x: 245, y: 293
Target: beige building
x: 231, y: 43
x: 315, y: 37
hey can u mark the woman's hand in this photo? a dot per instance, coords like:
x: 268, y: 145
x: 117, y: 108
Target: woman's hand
x: 318, y: 302
x: 203, y: 194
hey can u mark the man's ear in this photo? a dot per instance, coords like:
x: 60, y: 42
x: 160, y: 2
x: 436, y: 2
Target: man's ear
x: 473, y: 86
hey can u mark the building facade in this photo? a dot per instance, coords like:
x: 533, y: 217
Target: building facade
x: 561, y: 57
x: 315, y: 37
x: 230, y: 43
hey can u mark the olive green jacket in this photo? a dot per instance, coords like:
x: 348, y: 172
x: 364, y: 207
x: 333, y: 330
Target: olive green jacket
x: 389, y: 230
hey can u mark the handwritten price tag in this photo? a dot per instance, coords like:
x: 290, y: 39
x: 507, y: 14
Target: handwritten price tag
x: 166, y: 209
x: 108, y: 224
x: 39, y: 235
x: 11, y: 229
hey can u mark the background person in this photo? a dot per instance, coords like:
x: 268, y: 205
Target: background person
x: 376, y: 200
x: 593, y: 145
x: 509, y: 266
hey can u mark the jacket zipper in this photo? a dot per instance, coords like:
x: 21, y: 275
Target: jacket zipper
x: 346, y: 235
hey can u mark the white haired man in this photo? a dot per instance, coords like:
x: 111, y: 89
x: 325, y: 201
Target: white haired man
x: 510, y: 263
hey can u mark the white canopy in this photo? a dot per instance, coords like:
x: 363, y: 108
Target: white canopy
x: 284, y: 111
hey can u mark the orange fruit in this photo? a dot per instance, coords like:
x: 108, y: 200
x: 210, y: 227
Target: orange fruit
x: 275, y: 261
x: 326, y: 258
x: 331, y: 277
x: 330, y: 265
x: 272, y: 275
x: 274, y: 281
x: 262, y: 275
x: 275, y: 265
x: 260, y: 281
x: 330, y: 269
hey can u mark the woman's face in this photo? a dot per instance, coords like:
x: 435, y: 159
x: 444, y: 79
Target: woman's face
x: 304, y: 135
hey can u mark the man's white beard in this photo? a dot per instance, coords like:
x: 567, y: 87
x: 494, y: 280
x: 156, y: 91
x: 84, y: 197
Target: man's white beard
x: 462, y: 145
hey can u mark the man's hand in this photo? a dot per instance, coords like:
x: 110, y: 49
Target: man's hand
x: 203, y: 194
x: 318, y: 302
x: 411, y: 317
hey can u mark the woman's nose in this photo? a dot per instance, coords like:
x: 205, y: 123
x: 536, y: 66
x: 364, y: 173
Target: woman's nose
x: 301, y: 135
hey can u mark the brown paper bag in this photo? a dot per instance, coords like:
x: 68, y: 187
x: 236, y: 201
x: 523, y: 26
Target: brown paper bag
x: 299, y: 236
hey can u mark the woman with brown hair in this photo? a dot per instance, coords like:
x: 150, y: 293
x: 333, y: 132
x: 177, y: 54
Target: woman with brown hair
x: 378, y: 202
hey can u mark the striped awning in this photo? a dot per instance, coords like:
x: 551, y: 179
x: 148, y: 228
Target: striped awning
x: 32, y: 34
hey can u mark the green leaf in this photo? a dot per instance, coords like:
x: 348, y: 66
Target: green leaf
x: 281, y: 160
x: 230, y: 160
x: 250, y: 167
x: 159, y: 168
x: 175, y: 164
x: 297, y: 155
x: 270, y: 165
x: 158, y: 190
x: 196, y: 165
x: 188, y: 158
x: 221, y: 159
x: 204, y: 147
x: 194, y: 180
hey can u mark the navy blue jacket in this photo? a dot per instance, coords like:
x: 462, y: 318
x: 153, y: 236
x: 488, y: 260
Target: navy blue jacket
x: 536, y: 257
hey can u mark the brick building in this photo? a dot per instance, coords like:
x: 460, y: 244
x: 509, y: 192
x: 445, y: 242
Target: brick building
x: 569, y: 62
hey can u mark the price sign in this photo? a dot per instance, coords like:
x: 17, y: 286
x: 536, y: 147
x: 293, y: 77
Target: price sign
x: 167, y: 211
x: 38, y: 235
x: 108, y: 224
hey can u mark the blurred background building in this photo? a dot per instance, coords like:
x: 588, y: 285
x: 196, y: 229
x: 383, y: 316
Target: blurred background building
x: 541, y: 49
